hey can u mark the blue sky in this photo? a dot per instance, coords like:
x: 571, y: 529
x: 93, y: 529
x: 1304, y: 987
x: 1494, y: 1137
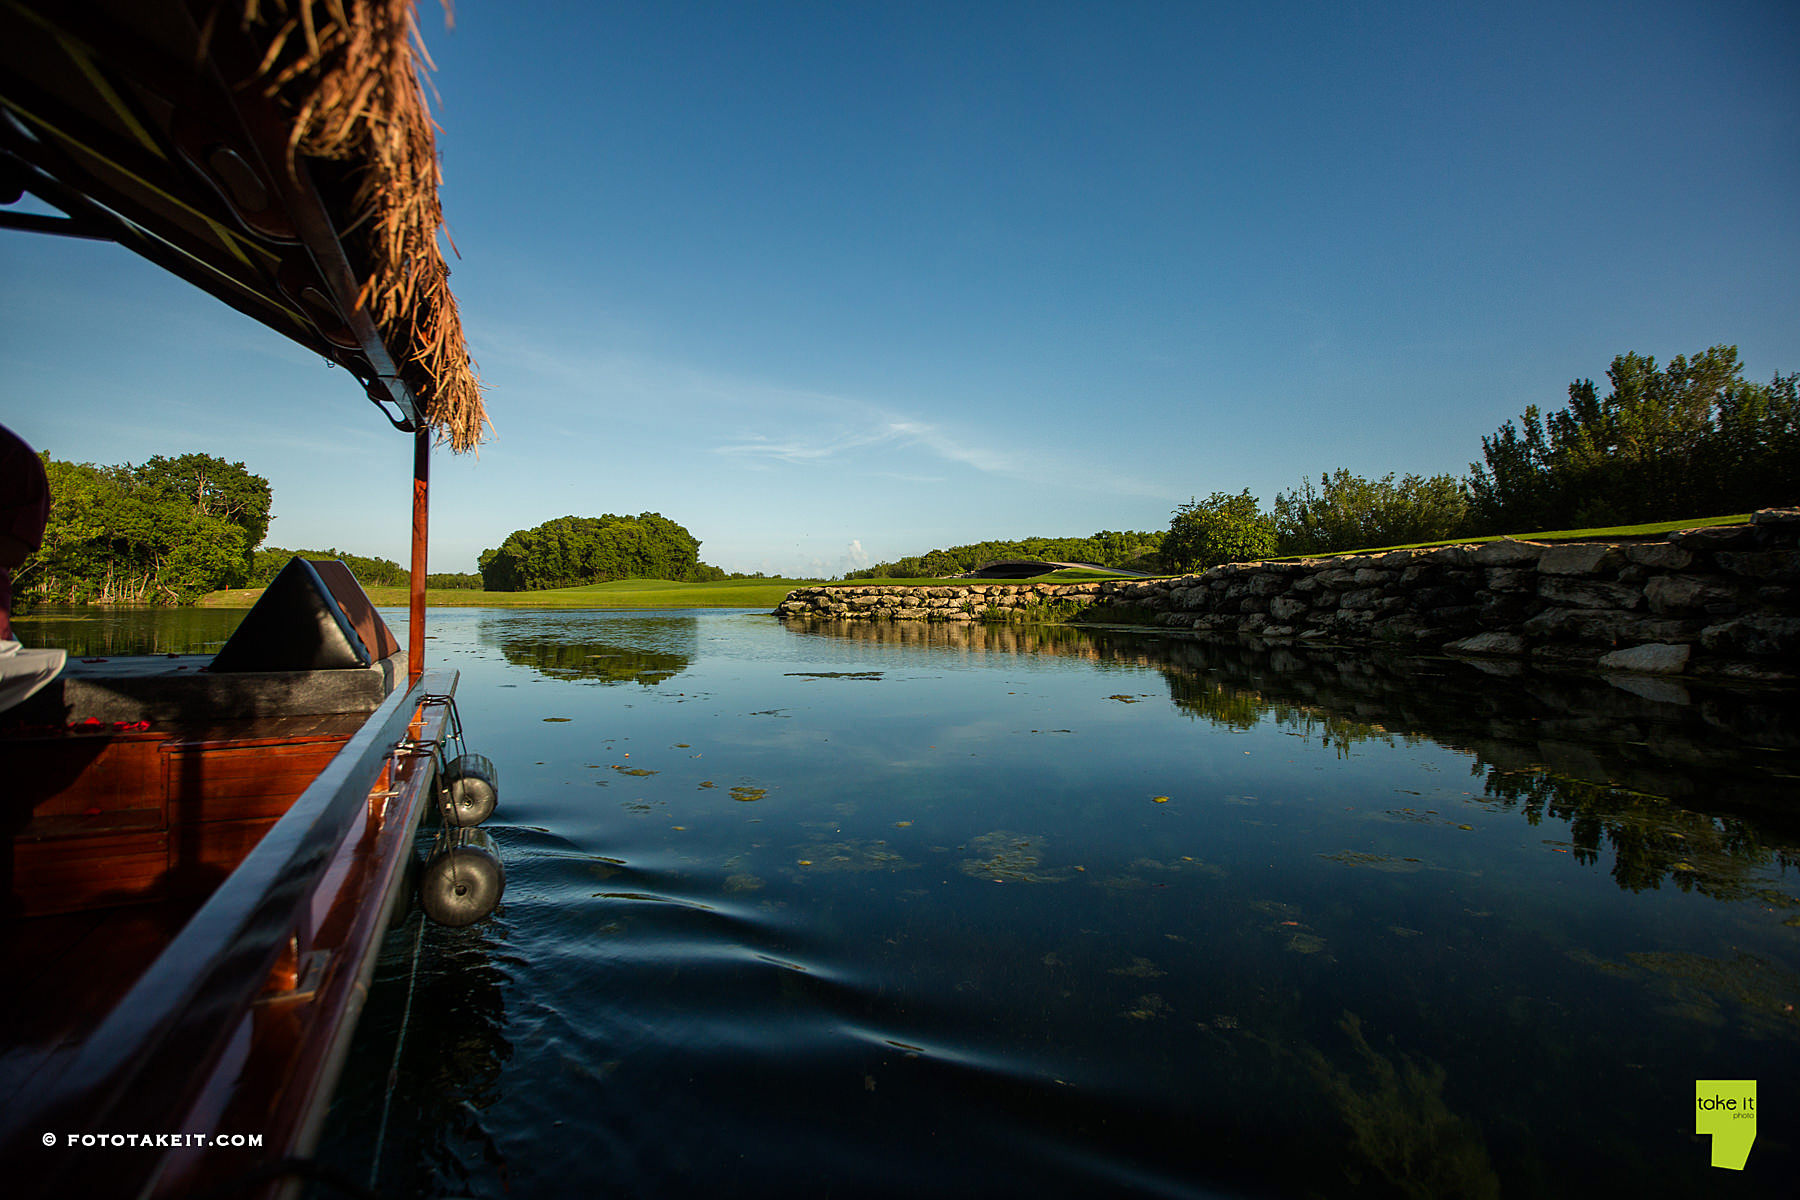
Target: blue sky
x: 835, y: 283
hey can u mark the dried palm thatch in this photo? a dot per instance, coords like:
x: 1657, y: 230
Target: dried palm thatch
x: 349, y: 72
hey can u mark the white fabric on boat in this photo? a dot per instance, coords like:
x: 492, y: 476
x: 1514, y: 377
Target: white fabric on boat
x: 23, y: 672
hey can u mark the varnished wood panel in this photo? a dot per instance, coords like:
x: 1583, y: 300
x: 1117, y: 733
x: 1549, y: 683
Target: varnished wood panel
x: 242, y: 782
x: 100, y: 818
x: 203, y: 853
x: 70, y: 970
x: 78, y: 773
x: 52, y: 875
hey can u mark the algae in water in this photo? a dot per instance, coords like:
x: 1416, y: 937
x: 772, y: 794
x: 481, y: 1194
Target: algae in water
x: 1401, y: 1126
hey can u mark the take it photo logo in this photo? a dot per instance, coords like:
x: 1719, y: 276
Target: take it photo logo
x: 1726, y: 1109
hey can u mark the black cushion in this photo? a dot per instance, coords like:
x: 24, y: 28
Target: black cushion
x: 296, y: 625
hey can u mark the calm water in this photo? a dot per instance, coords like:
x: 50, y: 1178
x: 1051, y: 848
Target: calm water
x: 908, y: 910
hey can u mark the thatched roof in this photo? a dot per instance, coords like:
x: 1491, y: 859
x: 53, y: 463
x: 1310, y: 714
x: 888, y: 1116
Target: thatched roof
x: 277, y: 153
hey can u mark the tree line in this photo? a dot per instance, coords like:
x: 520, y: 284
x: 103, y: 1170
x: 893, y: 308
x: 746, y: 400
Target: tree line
x: 1693, y: 438
x: 370, y: 572
x: 164, y: 532
x: 1128, y: 550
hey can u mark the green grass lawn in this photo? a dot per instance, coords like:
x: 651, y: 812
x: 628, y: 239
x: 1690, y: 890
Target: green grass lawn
x: 622, y: 593
x: 767, y: 593
x: 1594, y: 535
x: 1069, y: 575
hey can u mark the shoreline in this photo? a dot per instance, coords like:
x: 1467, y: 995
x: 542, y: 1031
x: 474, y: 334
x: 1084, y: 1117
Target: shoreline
x: 1717, y: 601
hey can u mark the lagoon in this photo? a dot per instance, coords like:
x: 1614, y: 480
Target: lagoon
x: 902, y: 909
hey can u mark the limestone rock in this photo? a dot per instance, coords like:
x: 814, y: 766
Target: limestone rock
x: 1757, y: 634
x: 1428, y: 598
x: 1286, y: 608
x: 1509, y: 645
x: 1781, y: 565
x: 1581, y: 558
x: 1715, y: 537
x: 1588, y: 593
x: 1606, y: 626
x: 1686, y: 593
x: 1651, y: 658
x: 1508, y: 553
x: 1660, y: 555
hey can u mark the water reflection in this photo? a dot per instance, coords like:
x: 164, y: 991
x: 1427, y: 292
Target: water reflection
x: 604, y: 648
x: 437, y: 1015
x: 934, y: 910
x: 92, y: 632
x: 1665, y: 782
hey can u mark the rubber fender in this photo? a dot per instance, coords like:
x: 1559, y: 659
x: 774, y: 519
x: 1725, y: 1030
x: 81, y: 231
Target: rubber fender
x: 473, y: 784
x: 463, y: 879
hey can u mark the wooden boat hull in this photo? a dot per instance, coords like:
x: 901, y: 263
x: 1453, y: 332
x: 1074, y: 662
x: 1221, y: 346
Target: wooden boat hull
x: 237, y: 1029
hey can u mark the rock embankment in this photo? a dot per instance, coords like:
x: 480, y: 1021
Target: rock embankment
x: 1721, y: 600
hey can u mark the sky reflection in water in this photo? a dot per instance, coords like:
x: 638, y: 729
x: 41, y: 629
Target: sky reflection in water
x: 888, y: 910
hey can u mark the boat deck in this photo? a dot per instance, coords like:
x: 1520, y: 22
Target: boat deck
x: 101, y: 815
x: 67, y: 972
x: 193, y: 913
x: 129, y: 798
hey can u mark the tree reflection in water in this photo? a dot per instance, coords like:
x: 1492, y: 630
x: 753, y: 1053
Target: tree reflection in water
x: 417, y: 1131
x: 642, y: 650
x: 1686, y: 785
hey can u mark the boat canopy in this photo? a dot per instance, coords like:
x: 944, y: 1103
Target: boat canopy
x: 276, y: 153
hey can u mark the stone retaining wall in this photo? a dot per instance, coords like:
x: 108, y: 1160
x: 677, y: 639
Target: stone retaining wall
x: 1721, y: 600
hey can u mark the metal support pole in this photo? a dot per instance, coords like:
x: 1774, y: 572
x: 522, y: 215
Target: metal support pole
x: 421, y: 506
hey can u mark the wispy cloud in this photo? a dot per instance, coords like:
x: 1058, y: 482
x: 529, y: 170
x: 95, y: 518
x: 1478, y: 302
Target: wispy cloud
x: 798, y: 449
x: 762, y: 424
x: 876, y: 427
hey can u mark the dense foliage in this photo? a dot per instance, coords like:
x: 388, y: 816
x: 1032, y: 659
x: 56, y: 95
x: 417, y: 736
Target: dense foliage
x: 1218, y: 529
x: 1694, y: 437
x: 165, y: 532
x: 1107, y: 548
x: 370, y: 572
x: 571, y: 551
x: 1690, y: 439
x: 1348, y: 512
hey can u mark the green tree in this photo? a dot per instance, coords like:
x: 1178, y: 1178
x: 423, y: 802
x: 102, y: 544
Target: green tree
x: 1220, y: 529
x: 164, y: 533
x: 214, y: 489
x: 1753, y: 455
x: 1692, y: 438
x: 571, y: 551
x: 1516, y: 490
x: 1136, y: 550
x: 1348, y: 512
x: 370, y: 572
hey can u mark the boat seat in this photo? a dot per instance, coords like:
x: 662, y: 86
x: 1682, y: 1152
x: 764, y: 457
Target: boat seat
x: 312, y: 645
x: 313, y: 616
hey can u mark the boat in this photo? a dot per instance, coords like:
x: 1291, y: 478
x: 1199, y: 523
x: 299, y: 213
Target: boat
x: 202, y: 855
